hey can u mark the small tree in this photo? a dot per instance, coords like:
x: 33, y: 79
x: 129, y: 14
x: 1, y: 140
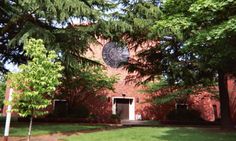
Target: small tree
x: 35, y: 82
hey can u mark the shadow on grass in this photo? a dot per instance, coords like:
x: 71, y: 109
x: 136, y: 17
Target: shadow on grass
x: 157, y: 134
x: 195, y: 134
x: 21, y: 129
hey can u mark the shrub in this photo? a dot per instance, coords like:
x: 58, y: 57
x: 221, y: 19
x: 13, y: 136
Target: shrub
x: 184, y: 115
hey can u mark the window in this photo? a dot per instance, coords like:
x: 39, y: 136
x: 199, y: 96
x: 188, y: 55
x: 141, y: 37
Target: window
x: 181, y: 106
x: 114, y: 54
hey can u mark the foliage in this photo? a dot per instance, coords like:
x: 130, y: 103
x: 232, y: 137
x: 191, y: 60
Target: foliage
x: 180, y: 94
x: 167, y: 93
x: 182, y: 62
x: 52, y: 21
x: 2, y: 92
x: 210, y: 36
x: 197, y: 47
x: 130, y: 17
x: 67, y: 27
x: 94, y: 77
x: 34, y: 84
x: 184, y: 115
x: 83, y: 82
x: 79, y: 111
x: 207, y: 31
x: 153, y: 87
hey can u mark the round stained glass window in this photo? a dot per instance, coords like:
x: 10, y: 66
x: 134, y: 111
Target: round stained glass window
x: 114, y: 54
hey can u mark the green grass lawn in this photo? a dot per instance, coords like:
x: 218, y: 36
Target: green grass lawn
x: 157, y: 134
x: 21, y: 129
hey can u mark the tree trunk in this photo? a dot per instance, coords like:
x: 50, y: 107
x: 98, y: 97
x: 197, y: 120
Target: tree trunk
x: 226, y: 120
x: 30, y: 127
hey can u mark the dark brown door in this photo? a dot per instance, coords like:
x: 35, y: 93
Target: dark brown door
x: 122, y: 108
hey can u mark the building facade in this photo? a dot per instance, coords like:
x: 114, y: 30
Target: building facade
x: 128, y: 103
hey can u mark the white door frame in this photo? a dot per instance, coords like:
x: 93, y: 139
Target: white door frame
x: 131, y: 107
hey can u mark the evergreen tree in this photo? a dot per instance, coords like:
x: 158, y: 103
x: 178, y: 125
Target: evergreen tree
x: 83, y: 82
x: 130, y: 21
x: 53, y: 21
x: 207, y: 30
x: 196, y: 48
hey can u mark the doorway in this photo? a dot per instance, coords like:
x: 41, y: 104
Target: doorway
x: 123, y: 107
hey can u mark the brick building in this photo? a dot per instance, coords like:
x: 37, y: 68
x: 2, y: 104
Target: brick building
x: 126, y: 99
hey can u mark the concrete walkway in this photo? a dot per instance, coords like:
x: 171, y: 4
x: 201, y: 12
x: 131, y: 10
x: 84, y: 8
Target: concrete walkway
x: 139, y: 123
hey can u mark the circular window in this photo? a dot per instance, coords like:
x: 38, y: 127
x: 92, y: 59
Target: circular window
x: 114, y: 54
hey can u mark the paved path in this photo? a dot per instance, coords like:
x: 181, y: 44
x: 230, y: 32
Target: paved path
x: 50, y: 137
x: 139, y: 123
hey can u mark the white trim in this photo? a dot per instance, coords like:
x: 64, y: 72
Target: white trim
x: 54, y: 101
x: 131, y: 107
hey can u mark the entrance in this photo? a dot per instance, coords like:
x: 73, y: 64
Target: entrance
x: 123, y: 107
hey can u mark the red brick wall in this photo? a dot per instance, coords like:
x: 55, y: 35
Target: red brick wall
x: 202, y: 102
x: 232, y: 97
x: 103, y: 108
x: 142, y: 107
